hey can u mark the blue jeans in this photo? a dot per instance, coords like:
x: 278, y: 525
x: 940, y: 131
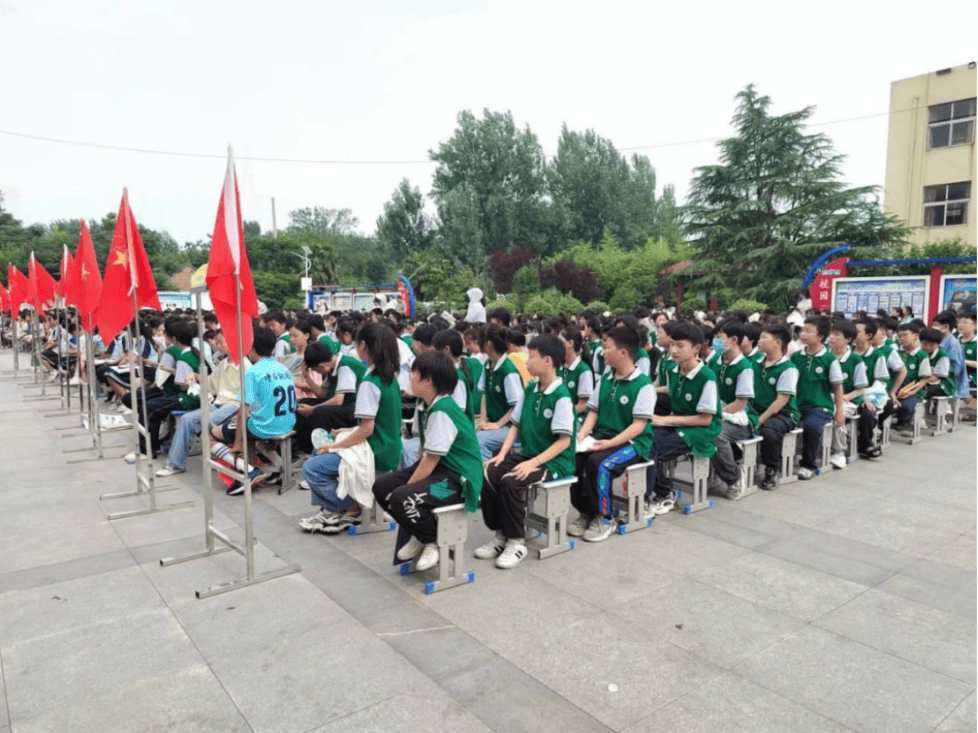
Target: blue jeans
x: 188, y: 428
x: 490, y: 441
x: 813, y: 419
x: 322, y: 472
x: 410, y: 449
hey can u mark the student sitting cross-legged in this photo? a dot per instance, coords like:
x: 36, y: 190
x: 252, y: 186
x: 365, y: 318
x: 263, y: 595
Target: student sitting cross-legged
x: 543, y: 422
x: 448, y: 472
x: 619, y: 415
x: 695, y: 422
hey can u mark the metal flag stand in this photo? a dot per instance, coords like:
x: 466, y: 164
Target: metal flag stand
x: 65, y: 395
x: 145, y: 483
x: 36, y: 354
x: 212, y: 533
x: 15, y: 345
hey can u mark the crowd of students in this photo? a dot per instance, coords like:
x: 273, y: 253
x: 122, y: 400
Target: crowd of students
x: 427, y: 412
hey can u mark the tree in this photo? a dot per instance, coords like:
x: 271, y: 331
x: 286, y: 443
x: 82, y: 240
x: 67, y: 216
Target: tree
x: 504, y: 263
x: 501, y: 168
x: 594, y: 189
x: 403, y: 228
x: 526, y: 284
x: 774, y: 203
x: 567, y: 277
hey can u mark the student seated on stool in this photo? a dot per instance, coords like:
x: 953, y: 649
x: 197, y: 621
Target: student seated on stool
x: 735, y: 383
x: 619, y: 414
x: 774, y: 399
x: 856, y: 381
x: 918, y: 373
x: 543, y: 422
x: 694, y: 424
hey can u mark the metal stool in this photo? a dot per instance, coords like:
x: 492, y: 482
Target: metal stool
x: 553, y: 521
x: 376, y: 521
x: 453, y: 530
x: 749, y: 457
x: 628, y: 490
x: 789, y: 457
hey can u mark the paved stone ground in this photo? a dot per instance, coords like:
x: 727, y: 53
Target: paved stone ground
x: 844, y: 604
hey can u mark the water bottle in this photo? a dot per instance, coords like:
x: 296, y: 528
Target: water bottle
x: 320, y: 438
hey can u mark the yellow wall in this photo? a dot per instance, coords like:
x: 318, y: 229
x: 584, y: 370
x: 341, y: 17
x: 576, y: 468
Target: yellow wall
x: 910, y: 165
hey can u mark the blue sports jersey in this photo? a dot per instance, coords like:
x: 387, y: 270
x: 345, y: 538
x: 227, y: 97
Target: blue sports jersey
x: 270, y: 393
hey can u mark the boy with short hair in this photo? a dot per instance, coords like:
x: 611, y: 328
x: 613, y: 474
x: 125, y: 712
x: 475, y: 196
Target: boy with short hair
x: 735, y: 381
x: 941, y: 382
x: 856, y: 381
x: 947, y: 323
x: 619, y: 414
x: 694, y: 424
x: 504, y: 388
x: 750, y: 346
x: 969, y: 343
x: 543, y: 423
x: 774, y: 400
x: 279, y: 325
x: 664, y: 367
x: 918, y: 372
x: 820, y: 382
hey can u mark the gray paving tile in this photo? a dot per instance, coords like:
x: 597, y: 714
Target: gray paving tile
x: 581, y: 661
x: 496, y: 613
x: 860, y: 687
x: 678, y: 550
x: 938, y: 640
x: 4, y: 719
x: 187, y: 702
x: 853, y: 549
x: 742, y: 517
x: 257, y: 617
x: 507, y: 699
x: 713, y: 525
x: 804, y: 511
x: 620, y: 578
x: 899, y: 533
x: 427, y: 640
x: 74, y: 604
x: 941, y: 586
x: 730, y: 704
x: 958, y: 553
x: 426, y: 709
x: 829, y: 563
x: 783, y: 586
x: 164, y: 526
x: 59, y: 572
x: 711, y: 623
x: 962, y: 720
x: 40, y: 545
x: 308, y: 679
x: 81, y: 664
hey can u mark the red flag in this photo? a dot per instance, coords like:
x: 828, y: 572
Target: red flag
x: 4, y: 299
x: 40, y: 285
x: 62, y: 287
x: 127, y: 270
x: 18, y: 288
x: 84, y: 288
x: 228, y: 258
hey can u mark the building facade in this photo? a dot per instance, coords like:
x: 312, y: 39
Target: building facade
x: 930, y: 156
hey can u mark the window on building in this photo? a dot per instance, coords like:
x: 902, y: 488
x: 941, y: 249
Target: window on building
x: 952, y: 124
x: 946, y: 205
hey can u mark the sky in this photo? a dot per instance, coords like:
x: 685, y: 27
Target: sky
x: 381, y: 82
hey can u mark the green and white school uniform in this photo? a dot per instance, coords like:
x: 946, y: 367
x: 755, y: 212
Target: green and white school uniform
x: 971, y: 354
x: 542, y: 418
x: 504, y: 386
x: 618, y: 403
x: 817, y: 375
x: 345, y: 379
x: 643, y: 362
x: 448, y: 433
x: 695, y: 393
x: 735, y: 381
x: 940, y: 367
x: 854, y: 374
x: 772, y: 381
x: 283, y: 346
x: 187, y: 364
x: 381, y: 403
x: 917, y: 363
x: 579, y: 380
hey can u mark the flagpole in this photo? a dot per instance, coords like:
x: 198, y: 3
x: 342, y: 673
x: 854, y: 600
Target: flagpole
x: 243, y: 425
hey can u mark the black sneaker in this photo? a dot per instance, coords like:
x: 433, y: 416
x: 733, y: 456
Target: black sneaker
x: 770, y: 481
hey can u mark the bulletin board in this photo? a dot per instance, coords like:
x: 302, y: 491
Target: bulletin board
x: 852, y: 294
x: 958, y: 292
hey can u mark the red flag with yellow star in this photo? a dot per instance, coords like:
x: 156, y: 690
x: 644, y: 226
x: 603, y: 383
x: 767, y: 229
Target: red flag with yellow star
x: 127, y: 271
x: 84, y: 289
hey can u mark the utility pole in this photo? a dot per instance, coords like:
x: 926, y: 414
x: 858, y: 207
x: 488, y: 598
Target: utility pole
x: 274, y: 225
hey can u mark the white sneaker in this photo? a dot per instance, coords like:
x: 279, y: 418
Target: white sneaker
x: 737, y: 490
x: 805, y: 474
x: 514, y: 552
x: 74, y: 382
x: 599, y: 529
x: 131, y: 457
x: 578, y: 526
x: 838, y: 460
x: 170, y: 471
x: 412, y: 548
x: 316, y: 523
x: 492, y: 548
x: 304, y: 485
x: 664, y: 504
x: 429, y: 557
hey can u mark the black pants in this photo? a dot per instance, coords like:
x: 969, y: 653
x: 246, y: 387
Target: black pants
x: 413, y: 505
x: 303, y: 433
x: 152, y: 392
x: 159, y: 410
x: 591, y: 495
x: 772, y: 432
x: 504, y: 497
x: 866, y: 429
